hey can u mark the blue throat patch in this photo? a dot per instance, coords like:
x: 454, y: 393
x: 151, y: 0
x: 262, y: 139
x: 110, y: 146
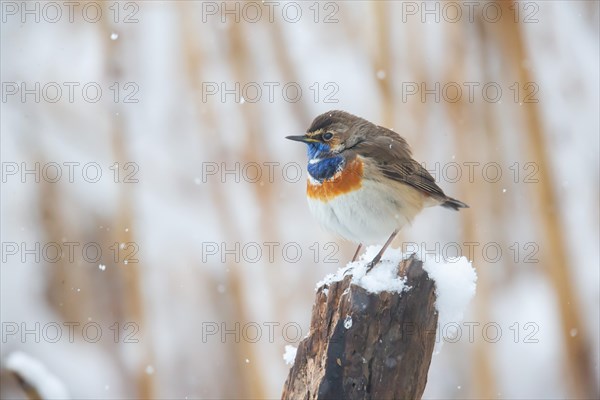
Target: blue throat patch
x: 328, y: 164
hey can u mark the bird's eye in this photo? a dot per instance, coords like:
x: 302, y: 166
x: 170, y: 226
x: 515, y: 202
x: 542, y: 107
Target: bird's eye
x: 327, y: 136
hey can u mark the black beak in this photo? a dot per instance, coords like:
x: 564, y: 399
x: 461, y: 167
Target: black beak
x: 299, y: 138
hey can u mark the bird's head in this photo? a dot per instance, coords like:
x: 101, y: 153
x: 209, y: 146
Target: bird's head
x: 332, y: 133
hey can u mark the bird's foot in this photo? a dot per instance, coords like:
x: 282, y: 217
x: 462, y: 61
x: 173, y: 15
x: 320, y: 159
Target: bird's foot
x: 373, y: 263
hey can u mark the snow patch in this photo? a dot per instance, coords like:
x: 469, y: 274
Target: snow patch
x: 348, y: 322
x: 290, y: 354
x: 382, y: 278
x: 455, y: 283
x: 36, y: 375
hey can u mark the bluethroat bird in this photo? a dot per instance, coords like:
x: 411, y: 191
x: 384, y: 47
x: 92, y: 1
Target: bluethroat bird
x: 363, y: 182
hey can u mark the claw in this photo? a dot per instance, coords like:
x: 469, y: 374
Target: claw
x: 380, y: 254
x: 371, y: 264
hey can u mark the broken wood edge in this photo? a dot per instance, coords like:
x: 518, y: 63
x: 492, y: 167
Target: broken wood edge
x: 314, y: 361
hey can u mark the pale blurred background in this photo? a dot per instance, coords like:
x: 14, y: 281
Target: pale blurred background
x: 164, y: 68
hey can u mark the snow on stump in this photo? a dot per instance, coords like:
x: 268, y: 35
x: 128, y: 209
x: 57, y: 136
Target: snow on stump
x: 371, y: 336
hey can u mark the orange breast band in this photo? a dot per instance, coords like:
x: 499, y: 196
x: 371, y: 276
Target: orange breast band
x: 347, y: 180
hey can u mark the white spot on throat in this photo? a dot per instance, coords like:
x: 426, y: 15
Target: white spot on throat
x: 313, y: 161
x: 312, y: 180
x: 337, y: 173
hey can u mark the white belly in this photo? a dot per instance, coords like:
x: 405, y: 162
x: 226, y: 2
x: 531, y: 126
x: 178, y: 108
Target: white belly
x: 370, y: 214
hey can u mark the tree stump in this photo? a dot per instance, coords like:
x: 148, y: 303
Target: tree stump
x: 383, y: 353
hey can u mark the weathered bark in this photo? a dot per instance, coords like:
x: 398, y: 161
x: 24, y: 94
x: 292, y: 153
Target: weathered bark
x: 384, y: 354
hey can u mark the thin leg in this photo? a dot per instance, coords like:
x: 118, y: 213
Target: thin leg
x: 383, y: 249
x: 357, y: 251
x: 349, y: 270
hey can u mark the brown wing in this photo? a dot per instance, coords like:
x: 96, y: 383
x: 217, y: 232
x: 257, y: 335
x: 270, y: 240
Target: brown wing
x: 393, y: 157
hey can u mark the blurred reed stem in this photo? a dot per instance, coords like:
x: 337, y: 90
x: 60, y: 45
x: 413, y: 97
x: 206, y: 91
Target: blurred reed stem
x: 578, y: 365
x: 471, y: 137
x: 382, y: 61
x: 250, y: 384
x: 124, y: 223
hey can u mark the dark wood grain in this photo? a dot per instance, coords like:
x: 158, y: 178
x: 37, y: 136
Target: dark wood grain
x: 386, y: 352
